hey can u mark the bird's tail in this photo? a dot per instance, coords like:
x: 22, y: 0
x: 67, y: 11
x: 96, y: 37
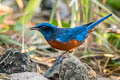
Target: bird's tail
x: 91, y: 26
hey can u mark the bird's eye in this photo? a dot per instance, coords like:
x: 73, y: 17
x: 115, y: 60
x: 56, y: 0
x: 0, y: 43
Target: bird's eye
x: 44, y: 27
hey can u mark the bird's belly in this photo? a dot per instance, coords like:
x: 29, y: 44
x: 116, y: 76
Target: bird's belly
x: 68, y: 46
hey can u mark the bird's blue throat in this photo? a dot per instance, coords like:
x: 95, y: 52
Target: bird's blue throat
x: 47, y: 33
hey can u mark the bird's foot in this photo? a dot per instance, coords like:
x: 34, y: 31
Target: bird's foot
x: 61, y: 57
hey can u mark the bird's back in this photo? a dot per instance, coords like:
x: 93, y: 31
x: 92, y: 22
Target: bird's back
x: 66, y: 34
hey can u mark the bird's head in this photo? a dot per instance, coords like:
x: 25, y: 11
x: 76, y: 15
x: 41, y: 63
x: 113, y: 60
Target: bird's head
x: 45, y: 28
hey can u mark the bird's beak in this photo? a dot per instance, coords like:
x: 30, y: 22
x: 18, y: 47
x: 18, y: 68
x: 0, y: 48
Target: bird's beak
x: 34, y: 28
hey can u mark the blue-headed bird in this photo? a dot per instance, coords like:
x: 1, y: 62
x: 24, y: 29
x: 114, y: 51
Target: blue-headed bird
x: 66, y: 39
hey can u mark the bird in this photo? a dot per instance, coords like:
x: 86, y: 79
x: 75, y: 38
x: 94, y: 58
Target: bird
x: 66, y: 39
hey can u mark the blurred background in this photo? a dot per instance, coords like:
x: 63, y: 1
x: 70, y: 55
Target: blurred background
x: 101, y: 49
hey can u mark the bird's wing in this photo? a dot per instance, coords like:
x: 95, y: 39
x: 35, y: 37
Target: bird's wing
x: 82, y: 36
x: 63, y: 35
x: 66, y: 35
x: 81, y: 32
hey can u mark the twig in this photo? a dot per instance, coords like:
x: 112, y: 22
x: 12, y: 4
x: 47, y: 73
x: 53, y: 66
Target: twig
x: 116, y: 69
x: 5, y: 57
x: 58, y: 18
x: 23, y: 32
x: 20, y: 4
x: 113, y: 30
x: 106, y: 43
x: 92, y: 55
x: 53, y: 11
x: 106, y: 63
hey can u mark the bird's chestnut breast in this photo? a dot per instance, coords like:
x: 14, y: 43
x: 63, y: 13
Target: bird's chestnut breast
x: 68, y: 46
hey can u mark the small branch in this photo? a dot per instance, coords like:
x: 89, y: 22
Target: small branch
x: 53, y: 11
x: 113, y: 30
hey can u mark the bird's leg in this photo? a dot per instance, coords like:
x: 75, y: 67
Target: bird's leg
x: 72, y: 52
x: 61, y: 57
x: 64, y: 53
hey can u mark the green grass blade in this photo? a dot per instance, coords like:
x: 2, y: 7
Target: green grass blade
x: 29, y: 11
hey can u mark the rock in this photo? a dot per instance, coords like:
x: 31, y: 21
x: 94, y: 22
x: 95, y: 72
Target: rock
x: 27, y: 76
x: 15, y: 62
x: 70, y: 68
